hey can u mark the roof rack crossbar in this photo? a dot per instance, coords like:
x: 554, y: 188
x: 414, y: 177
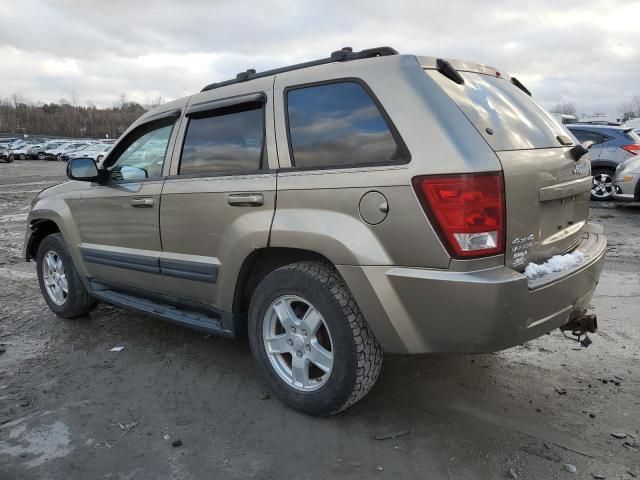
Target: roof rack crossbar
x: 343, y: 55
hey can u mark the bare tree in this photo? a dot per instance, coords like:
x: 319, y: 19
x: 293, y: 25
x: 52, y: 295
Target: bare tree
x: 64, y: 118
x: 630, y: 108
x: 159, y: 100
x: 567, y: 108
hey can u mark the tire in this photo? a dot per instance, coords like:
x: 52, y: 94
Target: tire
x: 356, y: 355
x: 41, y: 156
x: 77, y: 301
x: 602, y: 187
x: 22, y: 156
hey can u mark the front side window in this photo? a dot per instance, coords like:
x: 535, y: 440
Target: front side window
x: 224, y: 141
x: 142, y: 155
x: 338, y: 125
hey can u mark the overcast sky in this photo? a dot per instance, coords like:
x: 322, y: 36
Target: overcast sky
x: 586, y: 52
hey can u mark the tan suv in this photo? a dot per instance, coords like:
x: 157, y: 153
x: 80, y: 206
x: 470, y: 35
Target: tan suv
x: 333, y: 210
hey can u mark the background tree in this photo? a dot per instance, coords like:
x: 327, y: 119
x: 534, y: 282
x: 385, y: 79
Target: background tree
x: 630, y: 109
x: 567, y: 108
x: 68, y: 118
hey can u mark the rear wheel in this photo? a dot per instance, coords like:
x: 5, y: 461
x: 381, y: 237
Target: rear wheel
x: 602, y: 187
x: 310, y: 339
x: 59, y: 281
x: 22, y: 156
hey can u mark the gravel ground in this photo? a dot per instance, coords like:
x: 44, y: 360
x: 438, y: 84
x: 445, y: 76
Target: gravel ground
x: 70, y: 409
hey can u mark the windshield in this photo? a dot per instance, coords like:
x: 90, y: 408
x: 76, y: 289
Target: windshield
x: 505, y: 116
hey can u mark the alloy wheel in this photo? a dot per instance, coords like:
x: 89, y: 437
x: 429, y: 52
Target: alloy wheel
x: 602, y: 186
x: 54, y: 277
x: 298, y: 343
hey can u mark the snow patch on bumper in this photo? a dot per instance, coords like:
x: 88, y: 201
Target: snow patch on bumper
x: 557, y: 263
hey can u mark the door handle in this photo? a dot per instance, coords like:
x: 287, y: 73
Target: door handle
x: 245, y: 199
x: 142, y: 202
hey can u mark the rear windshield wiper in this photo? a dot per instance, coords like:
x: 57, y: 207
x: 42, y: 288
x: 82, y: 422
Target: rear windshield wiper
x: 519, y: 84
x: 448, y: 70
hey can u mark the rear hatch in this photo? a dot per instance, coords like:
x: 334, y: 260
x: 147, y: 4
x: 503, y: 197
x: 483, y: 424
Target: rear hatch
x: 546, y: 190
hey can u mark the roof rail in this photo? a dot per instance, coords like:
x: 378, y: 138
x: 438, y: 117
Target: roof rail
x: 343, y: 55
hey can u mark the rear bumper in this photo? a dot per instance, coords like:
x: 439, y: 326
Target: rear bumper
x: 414, y: 310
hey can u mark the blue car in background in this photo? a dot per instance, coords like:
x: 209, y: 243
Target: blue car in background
x: 612, y: 145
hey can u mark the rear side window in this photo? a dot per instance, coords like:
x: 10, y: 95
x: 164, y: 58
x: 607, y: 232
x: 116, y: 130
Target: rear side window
x: 339, y: 125
x: 224, y: 141
x: 506, y: 117
x: 586, y: 135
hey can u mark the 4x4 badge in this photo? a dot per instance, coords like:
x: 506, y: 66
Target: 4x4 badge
x: 579, y: 169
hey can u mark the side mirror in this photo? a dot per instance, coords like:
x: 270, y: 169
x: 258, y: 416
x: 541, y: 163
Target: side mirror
x: 588, y: 144
x: 83, y: 169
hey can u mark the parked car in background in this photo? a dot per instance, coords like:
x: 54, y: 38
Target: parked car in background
x: 626, y: 182
x: 612, y: 145
x: 633, y: 123
x: 51, y: 145
x: 21, y: 151
x: 71, y: 150
x: 95, y: 151
x: 63, y: 149
x: 32, y: 151
x: 7, y: 141
x: 4, y: 155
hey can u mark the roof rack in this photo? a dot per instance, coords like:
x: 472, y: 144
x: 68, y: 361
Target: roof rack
x: 343, y: 55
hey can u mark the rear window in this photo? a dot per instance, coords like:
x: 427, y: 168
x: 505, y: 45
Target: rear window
x: 516, y: 120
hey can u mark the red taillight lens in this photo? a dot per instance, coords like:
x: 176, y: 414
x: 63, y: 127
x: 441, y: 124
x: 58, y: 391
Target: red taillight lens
x: 633, y: 148
x: 467, y: 211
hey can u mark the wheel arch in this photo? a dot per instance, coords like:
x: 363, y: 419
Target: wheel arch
x: 257, y: 266
x: 608, y: 164
x: 40, y: 228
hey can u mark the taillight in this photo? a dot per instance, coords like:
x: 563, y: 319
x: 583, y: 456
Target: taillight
x: 633, y: 148
x: 467, y: 211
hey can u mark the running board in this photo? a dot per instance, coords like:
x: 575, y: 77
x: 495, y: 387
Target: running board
x: 188, y: 318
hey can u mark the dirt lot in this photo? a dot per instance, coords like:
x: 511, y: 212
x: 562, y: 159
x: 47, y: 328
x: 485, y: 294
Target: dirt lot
x: 70, y: 409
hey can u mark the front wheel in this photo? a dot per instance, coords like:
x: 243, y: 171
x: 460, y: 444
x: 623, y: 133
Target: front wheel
x: 59, y: 281
x: 310, y: 339
x: 602, y: 188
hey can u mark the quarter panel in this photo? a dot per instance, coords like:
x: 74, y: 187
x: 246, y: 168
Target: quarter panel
x: 327, y: 220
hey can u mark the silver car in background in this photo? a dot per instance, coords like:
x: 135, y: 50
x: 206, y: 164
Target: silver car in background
x: 626, y: 182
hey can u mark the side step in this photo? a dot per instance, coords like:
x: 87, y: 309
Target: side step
x: 188, y: 318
